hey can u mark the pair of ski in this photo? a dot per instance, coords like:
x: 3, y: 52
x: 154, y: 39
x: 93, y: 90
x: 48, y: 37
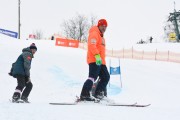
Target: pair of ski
x: 99, y: 102
x: 108, y: 104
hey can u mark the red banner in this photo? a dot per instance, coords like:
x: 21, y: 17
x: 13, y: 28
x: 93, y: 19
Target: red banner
x: 67, y: 43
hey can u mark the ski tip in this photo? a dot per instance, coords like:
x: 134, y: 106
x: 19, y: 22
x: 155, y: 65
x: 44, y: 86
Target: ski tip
x: 147, y: 105
x: 130, y: 105
x: 143, y: 105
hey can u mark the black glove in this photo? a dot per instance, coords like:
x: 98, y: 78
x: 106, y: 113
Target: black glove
x: 28, y: 79
x: 10, y: 74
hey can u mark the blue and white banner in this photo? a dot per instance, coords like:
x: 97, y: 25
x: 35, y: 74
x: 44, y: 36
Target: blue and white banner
x: 9, y: 33
x: 115, y: 70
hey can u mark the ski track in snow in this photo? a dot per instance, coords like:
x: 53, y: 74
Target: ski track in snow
x: 58, y: 74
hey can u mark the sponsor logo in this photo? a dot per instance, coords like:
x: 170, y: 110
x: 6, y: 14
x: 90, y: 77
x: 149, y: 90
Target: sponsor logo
x: 93, y: 41
x: 29, y: 58
x: 9, y: 33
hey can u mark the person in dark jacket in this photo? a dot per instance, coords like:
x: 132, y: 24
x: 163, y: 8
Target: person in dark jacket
x: 21, y: 71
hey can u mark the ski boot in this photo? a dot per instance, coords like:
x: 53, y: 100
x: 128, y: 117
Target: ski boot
x: 16, y: 97
x: 25, y: 99
x: 99, y: 95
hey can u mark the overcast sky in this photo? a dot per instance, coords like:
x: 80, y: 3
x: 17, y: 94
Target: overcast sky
x: 128, y: 20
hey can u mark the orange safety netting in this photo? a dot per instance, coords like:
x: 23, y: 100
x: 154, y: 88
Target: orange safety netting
x: 140, y: 55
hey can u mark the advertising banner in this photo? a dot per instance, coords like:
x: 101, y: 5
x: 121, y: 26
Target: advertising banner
x: 67, y: 42
x: 9, y: 33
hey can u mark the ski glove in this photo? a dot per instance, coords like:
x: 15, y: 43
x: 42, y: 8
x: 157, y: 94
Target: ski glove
x: 28, y: 79
x: 98, y: 59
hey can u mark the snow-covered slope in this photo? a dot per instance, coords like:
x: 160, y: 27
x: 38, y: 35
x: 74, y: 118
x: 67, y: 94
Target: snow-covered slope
x: 58, y: 74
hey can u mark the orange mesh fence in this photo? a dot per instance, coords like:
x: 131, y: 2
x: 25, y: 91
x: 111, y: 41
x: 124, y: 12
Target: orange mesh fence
x: 140, y: 55
x: 109, y: 53
x: 162, y: 56
x: 128, y: 53
x: 174, y: 57
x: 118, y: 53
x: 114, y: 53
x: 148, y: 55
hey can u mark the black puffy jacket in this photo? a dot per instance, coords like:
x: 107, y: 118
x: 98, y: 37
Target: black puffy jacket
x: 22, y: 65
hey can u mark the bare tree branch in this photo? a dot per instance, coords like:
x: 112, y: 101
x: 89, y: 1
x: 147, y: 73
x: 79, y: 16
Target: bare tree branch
x: 77, y: 27
x: 38, y: 34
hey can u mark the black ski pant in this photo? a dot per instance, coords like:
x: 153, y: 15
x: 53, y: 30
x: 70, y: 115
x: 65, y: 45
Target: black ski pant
x: 94, y: 72
x: 23, y: 85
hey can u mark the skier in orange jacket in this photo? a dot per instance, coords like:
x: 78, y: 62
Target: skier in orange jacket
x: 97, y: 63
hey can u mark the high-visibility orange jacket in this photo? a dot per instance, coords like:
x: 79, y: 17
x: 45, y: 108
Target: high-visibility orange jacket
x: 96, y: 45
